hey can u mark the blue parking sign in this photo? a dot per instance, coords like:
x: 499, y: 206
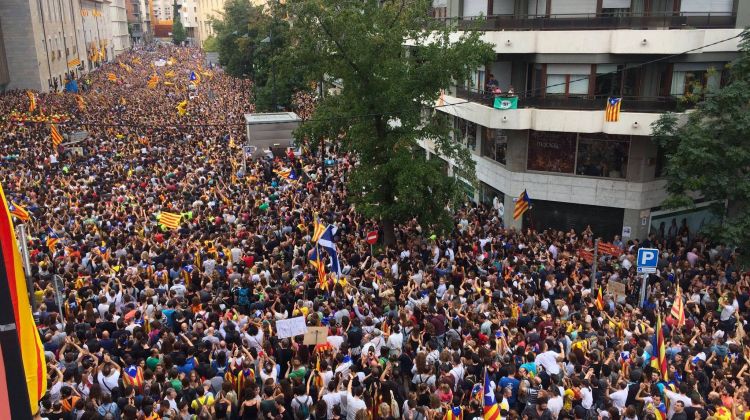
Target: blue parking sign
x: 647, y: 260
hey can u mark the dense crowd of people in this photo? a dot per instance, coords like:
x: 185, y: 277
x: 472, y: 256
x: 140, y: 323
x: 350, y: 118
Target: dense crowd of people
x: 143, y: 322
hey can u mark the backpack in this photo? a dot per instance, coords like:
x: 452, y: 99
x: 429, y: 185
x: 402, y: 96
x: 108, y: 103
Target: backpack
x: 243, y: 297
x: 303, y: 410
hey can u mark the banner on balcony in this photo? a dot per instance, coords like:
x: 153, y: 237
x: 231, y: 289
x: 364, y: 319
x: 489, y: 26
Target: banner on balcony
x: 510, y: 102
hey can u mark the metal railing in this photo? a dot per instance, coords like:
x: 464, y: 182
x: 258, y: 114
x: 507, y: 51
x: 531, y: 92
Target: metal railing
x: 586, y: 21
x: 654, y: 104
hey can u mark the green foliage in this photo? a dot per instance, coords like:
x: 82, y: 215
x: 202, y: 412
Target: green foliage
x: 211, y: 44
x: 380, y: 112
x: 708, y: 154
x: 250, y: 42
x: 179, y: 34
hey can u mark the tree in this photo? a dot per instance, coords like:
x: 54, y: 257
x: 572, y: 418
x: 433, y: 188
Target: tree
x: 179, y: 35
x: 708, y: 156
x: 250, y: 41
x: 385, y: 105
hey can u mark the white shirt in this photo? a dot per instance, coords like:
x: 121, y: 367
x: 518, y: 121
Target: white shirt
x: 108, y: 382
x: 587, y: 398
x: 548, y: 360
x: 331, y: 399
x: 673, y: 398
x: 555, y: 405
x: 353, y: 405
x: 395, y: 341
x: 619, y: 398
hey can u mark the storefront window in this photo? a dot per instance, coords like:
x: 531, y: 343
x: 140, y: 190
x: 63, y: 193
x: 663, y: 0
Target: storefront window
x: 494, y: 144
x: 487, y: 194
x: 551, y: 151
x: 604, y: 155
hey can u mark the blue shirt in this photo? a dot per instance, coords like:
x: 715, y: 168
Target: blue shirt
x: 514, y: 383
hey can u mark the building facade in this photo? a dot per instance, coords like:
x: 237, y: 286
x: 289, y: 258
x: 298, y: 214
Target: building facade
x: 208, y: 10
x: 562, y: 60
x: 139, y: 20
x: 44, y: 41
x: 119, y: 26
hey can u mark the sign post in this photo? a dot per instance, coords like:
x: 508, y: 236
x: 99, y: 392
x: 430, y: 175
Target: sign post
x: 371, y: 238
x: 647, y: 260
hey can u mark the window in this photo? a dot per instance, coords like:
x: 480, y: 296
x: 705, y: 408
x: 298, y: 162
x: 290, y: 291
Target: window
x: 487, y: 194
x: 494, y: 144
x: 607, y: 80
x: 568, y: 79
x: 692, y: 78
x: 604, y: 155
x: 465, y: 132
x: 551, y: 151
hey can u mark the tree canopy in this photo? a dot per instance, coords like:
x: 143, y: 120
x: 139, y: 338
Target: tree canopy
x: 708, y: 156
x: 250, y: 42
x: 179, y: 34
x: 385, y: 105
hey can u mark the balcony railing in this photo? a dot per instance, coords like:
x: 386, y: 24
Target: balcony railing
x: 588, y: 21
x: 655, y: 104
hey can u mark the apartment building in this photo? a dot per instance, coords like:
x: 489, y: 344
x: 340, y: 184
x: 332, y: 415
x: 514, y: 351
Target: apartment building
x: 207, y: 10
x: 119, y: 26
x: 562, y: 59
x: 43, y: 41
x: 139, y: 20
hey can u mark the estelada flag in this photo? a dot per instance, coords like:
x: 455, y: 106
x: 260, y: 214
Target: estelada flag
x: 522, y: 205
x: 30, y: 345
x: 612, y: 112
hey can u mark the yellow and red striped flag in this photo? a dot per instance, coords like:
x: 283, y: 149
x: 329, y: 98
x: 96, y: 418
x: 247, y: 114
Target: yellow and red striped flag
x: 678, y: 309
x: 182, y: 108
x: 111, y: 77
x: 661, y: 350
x: 612, y: 112
x: 57, y: 138
x: 522, y: 205
x: 81, y: 103
x: 30, y: 364
x: 600, y: 300
x: 170, y: 220
x: 318, y: 229
x: 18, y: 211
x: 32, y: 100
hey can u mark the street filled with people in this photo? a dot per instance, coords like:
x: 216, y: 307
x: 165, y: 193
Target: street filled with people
x: 265, y: 300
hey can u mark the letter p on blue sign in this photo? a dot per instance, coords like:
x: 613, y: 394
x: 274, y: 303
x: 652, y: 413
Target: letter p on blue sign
x: 647, y: 260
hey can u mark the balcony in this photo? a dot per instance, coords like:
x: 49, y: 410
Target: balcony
x: 584, y: 21
x: 647, y: 104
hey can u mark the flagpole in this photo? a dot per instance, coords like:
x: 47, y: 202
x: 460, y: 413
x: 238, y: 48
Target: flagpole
x: 27, y: 265
x: 15, y: 378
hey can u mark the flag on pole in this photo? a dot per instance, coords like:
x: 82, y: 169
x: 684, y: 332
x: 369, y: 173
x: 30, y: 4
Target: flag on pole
x: 81, y: 103
x: 57, y: 138
x: 111, y: 77
x: 153, y: 81
x: 18, y: 211
x: 318, y: 229
x: 661, y: 350
x: 326, y: 242
x: 32, y: 101
x: 491, y: 409
x: 169, y: 220
x: 195, y: 77
x: 678, y: 310
x: 30, y: 346
x: 522, y: 205
x: 612, y: 112
x: 600, y: 300
x: 52, y: 239
x: 454, y: 413
x: 182, y: 108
